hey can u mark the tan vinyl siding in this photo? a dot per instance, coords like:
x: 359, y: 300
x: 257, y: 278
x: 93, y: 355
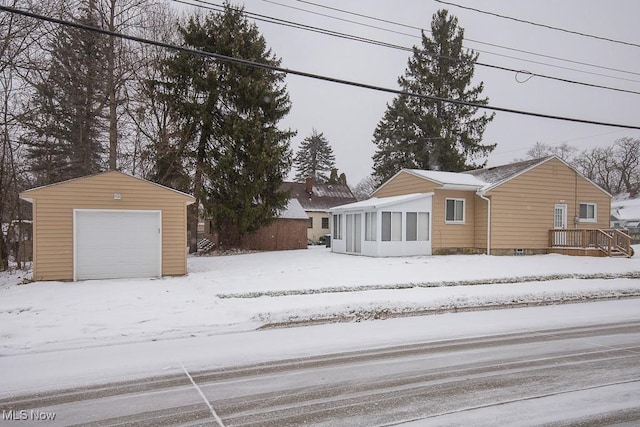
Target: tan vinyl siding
x: 53, y: 219
x: 448, y: 235
x: 522, y: 208
x: 405, y: 183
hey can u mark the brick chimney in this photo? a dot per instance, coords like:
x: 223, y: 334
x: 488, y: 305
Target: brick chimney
x: 308, y: 185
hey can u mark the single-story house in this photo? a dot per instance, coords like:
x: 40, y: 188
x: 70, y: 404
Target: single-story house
x: 529, y: 207
x: 316, y: 200
x: 109, y: 225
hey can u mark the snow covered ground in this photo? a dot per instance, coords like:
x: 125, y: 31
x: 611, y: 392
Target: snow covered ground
x: 237, y: 293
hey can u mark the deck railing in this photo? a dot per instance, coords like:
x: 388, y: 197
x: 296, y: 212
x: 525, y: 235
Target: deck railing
x: 610, y: 241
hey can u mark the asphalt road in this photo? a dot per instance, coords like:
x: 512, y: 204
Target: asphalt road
x: 572, y: 376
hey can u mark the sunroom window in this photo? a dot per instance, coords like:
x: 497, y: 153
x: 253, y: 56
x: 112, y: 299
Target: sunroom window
x: 391, y: 226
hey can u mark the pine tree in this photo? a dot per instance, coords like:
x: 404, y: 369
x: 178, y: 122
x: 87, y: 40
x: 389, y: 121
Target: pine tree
x: 65, y: 131
x: 421, y: 133
x: 240, y: 155
x: 315, y: 158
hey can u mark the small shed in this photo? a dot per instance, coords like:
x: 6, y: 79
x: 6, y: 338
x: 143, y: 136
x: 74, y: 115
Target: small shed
x: 109, y: 225
x: 288, y: 231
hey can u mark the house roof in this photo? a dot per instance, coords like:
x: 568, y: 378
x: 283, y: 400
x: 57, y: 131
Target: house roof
x: 293, y: 210
x: 626, y: 210
x: 482, y: 179
x: 496, y: 175
x: 380, y: 202
x: 322, y: 196
x: 29, y: 194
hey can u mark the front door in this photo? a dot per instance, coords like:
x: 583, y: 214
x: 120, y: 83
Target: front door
x: 354, y: 233
x: 560, y: 223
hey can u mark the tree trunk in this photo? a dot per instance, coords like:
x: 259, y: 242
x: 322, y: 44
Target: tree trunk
x: 197, y: 191
x: 111, y: 88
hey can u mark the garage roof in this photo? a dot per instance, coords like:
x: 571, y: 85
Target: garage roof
x: 29, y: 195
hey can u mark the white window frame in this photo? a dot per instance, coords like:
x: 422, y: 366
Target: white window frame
x: 370, y: 226
x: 464, y: 208
x: 395, y: 228
x: 421, y: 226
x: 595, y: 212
x: 337, y: 227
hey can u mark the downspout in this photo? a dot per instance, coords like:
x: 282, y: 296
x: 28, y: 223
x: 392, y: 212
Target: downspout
x: 483, y: 197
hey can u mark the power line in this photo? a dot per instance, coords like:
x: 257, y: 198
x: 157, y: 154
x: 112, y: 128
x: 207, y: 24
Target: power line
x: 278, y: 21
x: 341, y: 19
x: 524, y: 21
x: 246, y: 62
x: 557, y: 58
x: 264, y: 18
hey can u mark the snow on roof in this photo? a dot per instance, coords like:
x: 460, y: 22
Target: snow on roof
x: 293, y: 210
x: 626, y: 210
x: 322, y: 197
x: 449, y: 178
x: 496, y: 174
x: 379, y: 202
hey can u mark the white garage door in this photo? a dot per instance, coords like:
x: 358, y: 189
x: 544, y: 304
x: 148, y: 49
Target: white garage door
x: 117, y: 244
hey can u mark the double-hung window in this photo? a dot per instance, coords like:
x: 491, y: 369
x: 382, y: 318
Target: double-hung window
x: 325, y: 223
x: 454, y: 210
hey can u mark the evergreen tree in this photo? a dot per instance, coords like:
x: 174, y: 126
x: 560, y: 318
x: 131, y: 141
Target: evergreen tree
x: 315, y: 158
x: 240, y: 156
x: 421, y: 133
x: 64, y: 139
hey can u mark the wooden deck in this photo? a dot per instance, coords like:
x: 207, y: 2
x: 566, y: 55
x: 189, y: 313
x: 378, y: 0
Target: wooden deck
x: 590, y: 242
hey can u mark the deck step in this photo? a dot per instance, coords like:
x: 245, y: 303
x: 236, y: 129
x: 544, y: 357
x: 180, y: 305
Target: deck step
x: 618, y: 254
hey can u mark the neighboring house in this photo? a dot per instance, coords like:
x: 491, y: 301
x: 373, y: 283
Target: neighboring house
x: 625, y: 211
x: 625, y: 214
x: 316, y: 200
x: 529, y: 207
x: 286, y: 232
x: 109, y: 225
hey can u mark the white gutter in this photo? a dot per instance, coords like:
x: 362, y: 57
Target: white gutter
x: 483, y: 197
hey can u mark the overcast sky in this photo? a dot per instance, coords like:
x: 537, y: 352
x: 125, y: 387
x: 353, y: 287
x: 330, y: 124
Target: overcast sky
x: 348, y: 116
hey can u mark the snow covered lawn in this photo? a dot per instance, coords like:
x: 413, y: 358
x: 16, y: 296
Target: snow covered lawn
x: 225, y: 294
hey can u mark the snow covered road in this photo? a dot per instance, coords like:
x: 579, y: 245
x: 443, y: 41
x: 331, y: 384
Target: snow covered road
x: 503, y: 367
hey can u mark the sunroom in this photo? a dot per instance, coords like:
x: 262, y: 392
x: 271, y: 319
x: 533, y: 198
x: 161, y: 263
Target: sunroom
x: 386, y: 226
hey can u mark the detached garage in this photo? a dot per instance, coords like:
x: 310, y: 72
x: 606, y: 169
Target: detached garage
x: 110, y: 225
